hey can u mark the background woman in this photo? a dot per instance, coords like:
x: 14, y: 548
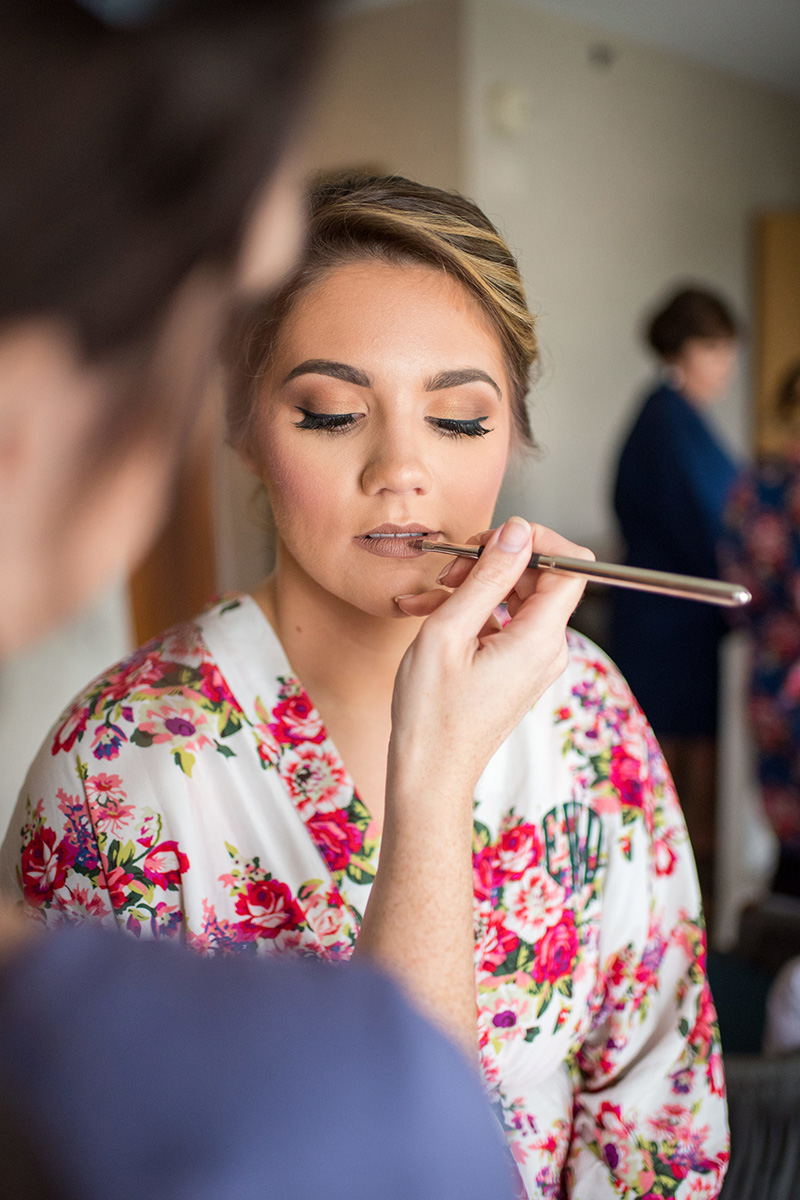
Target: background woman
x: 197, y: 789
x: 672, y: 482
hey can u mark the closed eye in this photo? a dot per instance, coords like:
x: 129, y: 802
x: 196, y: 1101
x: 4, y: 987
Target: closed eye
x: 449, y: 427
x: 327, y: 422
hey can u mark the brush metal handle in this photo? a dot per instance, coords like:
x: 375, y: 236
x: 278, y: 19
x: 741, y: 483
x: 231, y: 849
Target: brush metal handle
x: 640, y: 579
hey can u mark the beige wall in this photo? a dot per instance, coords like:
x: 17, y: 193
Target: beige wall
x: 622, y: 180
x: 390, y: 95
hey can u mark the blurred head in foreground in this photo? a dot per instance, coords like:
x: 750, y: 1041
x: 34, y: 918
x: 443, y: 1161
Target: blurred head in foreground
x: 136, y: 161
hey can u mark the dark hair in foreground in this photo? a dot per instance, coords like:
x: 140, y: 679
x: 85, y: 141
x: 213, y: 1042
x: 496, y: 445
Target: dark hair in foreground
x: 395, y: 220
x: 689, y: 313
x: 130, y: 155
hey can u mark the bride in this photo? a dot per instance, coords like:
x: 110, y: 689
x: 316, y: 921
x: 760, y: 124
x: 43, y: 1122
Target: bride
x: 247, y: 782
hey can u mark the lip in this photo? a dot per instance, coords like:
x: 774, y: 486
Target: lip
x: 393, y: 541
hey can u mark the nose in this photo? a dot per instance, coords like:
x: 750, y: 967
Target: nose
x: 395, y: 463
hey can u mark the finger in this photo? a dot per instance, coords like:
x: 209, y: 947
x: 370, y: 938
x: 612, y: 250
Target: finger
x: 547, y: 541
x: 422, y: 604
x: 458, y: 569
x: 491, y: 579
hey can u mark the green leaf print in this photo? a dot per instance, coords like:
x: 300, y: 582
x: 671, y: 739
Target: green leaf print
x: 140, y: 738
x: 185, y: 761
x: 480, y: 836
x: 360, y: 872
x: 232, y: 724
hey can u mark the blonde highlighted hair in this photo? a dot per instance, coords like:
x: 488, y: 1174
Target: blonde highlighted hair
x: 395, y: 220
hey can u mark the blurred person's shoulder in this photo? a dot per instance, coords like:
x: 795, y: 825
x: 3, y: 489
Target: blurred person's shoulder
x: 284, y: 1070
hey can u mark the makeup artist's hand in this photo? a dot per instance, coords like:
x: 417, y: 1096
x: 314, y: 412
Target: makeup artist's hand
x: 472, y: 679
x: 462, y: 686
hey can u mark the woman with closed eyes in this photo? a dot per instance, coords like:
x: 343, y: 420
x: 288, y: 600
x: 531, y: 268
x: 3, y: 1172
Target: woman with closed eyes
x: 251, y: 781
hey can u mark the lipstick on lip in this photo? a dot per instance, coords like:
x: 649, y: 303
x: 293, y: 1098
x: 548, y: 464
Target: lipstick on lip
x: 395, y: 541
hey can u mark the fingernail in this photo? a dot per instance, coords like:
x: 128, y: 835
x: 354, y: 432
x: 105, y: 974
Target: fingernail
x: 408, y: 596
x: 514, y: 535
x: 440, y: 578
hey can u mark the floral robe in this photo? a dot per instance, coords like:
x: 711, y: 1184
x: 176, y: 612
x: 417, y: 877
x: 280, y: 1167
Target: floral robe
x: 192, y: 792
x: 761, y: 548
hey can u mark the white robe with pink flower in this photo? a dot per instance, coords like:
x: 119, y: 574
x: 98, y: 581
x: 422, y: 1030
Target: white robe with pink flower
x: 192, y: 792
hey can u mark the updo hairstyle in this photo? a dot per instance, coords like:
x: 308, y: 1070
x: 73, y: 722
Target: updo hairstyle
x: 393, y: 220
x: 690, y: 313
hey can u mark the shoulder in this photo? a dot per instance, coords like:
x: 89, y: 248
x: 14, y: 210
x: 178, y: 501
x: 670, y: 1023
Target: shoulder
x: 400, y: 1077
x: 590, y: 671
x: 170, y: 688
x: 655, y: 429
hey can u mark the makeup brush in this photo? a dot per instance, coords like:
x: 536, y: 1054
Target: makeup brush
x: 686, y: 587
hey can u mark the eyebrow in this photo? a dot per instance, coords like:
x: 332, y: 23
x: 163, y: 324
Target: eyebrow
x: 336, y: 370
x: 451, y: 379
x: 350, y: 374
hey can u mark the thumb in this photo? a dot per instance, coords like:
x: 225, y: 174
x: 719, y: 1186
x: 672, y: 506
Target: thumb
x: 505, y: 557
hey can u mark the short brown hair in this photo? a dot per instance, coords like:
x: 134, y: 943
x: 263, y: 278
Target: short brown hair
x: 394, y: 219
x: 690, y: 313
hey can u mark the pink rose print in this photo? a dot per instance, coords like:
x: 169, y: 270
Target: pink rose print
x: 165, y: 864
x: 326, y: 916
x: 494, y: 947
x: 71, y: 728
x: 624, y: 776
x: 116, y: 882
x: 534, y: 904
x: 315, y: 779
x: 268, y: 908
x: 664, y: 857
x: 44, y: 866
x: 214, y: 686
x: 139, y: 672
x: 557, y: 951
x: 517, y: 850
x: 294, y: 720
x: 483, y: 873
x: 335, y: 837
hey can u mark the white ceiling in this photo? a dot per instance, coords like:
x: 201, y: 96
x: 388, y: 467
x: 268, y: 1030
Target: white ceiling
x: 757, y: 39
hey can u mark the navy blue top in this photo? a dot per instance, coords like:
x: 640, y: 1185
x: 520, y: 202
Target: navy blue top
x: 137, y: 1070
x: 672, y: 483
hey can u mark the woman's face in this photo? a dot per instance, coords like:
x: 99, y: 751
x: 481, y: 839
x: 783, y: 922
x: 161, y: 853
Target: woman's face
x: 704, y: 368
x: 385, y: 411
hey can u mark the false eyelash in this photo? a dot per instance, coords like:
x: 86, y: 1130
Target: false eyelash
x: 328, y: 422
x: 452, y: 428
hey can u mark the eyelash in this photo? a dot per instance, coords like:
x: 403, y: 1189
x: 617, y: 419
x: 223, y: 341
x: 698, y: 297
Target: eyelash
x: 339, y: 422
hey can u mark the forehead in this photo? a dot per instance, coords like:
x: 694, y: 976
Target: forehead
x: 380, y: 314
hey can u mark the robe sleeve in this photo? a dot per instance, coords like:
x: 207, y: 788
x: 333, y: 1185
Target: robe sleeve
x: 50, y: 860
x: 83, y: 844
x: 650, y: 1115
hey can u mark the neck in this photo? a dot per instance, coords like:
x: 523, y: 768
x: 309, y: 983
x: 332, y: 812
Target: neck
x: 338, y: 652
